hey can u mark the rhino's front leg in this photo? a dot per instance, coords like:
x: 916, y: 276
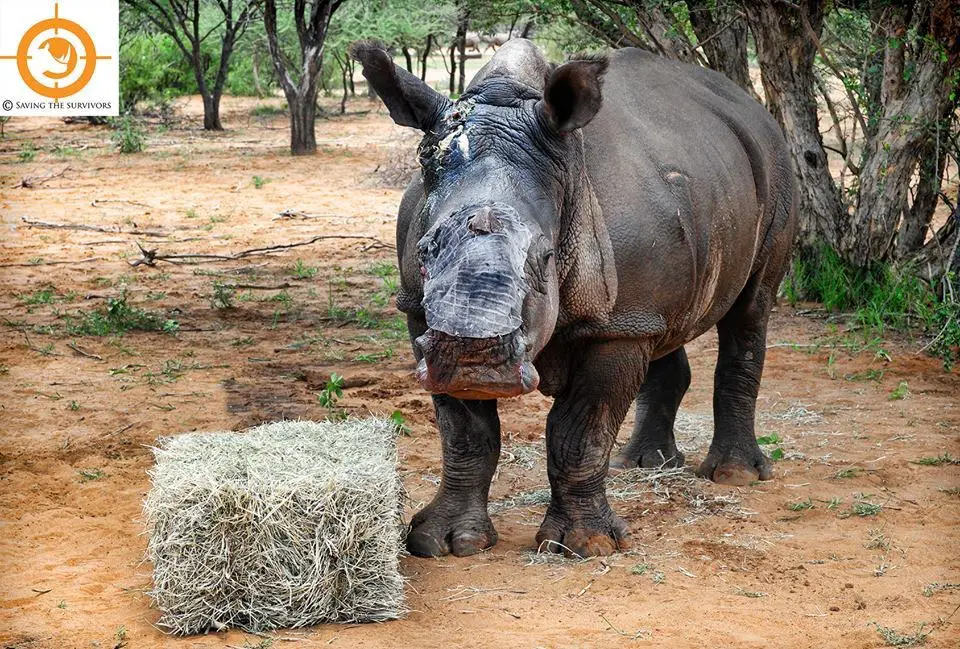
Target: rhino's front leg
x: 581, y: 429
x: 457, y: 520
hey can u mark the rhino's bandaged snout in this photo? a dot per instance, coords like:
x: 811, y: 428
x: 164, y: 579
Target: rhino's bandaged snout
x: 473, y: 266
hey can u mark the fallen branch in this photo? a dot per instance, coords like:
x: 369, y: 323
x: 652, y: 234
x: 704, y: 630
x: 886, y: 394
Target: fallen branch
x: 76, y: 348
x: 97, y: 202
x: 151, y: 257
x: 29, y: 182
x: 49, y: 225
x: 297, y: 214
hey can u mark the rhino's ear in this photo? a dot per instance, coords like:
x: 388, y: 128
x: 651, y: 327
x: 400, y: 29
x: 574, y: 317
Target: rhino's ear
x: 410, y: 101
x: 571, y: 93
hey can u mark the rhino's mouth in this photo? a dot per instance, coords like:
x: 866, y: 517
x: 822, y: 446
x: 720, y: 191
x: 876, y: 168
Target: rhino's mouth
x: 476, y: 368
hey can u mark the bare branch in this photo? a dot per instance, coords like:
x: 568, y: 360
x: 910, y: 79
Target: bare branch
x: 151, y: 257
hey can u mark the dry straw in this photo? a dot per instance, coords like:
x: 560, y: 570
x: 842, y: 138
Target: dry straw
x: 286, y: 525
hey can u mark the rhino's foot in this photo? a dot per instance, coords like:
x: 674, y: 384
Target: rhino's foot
x: 441, y: 529
x: 736, y: 467
x: 651, y: 458
x: 595, y: 536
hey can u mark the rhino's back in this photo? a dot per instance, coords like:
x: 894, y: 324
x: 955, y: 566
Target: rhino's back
x: 691, y: 174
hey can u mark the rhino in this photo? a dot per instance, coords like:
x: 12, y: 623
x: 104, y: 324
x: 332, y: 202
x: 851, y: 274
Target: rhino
x: 571, y: 228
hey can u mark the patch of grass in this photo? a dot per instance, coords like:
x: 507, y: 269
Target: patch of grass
x: 851, y: 472
x: 863, y: 508
x: 867, y: 375
x: 936, y: 587
x: 259, y: 182
x: 899, y: 392
x: 374, y: 357
x: 400, y: 423
x: 881, y: 297
x: 4, y: 369
x: 302, y: 271
x: 62, y: 151
x: 749, y: 593
x: 384, y: 269
x: 243, y: 342
x: 119, y: 317
x: 894, y: 638
x: 28, y: 152
x: 640, y: 569
x: 801, y: 505
x: 86, y: 475
x: 834, y: 503
x: 772, y: 440
x: 943, y: 458
x: 62, y: 604
x: 47, y: 295
x: 73, y: 405
x: 222, y: 296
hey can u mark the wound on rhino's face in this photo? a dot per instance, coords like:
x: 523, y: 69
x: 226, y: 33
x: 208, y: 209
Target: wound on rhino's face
x: 490, y: 220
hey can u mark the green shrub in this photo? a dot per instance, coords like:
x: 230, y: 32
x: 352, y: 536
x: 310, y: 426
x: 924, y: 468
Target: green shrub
x: 152, y: 68
x: 128, y: 134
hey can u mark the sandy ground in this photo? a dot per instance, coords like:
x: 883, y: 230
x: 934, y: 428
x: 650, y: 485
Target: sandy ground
x: 789, y: 563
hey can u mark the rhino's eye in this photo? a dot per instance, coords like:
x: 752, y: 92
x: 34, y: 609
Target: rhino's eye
x: 548, y: 255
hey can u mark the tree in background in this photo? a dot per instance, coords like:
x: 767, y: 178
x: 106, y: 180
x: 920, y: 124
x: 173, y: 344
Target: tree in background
x: 312, y: 21
x: 185, y: 22
x: 403, y: 24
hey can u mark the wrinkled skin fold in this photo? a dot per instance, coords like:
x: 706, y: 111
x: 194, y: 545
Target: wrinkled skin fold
x: 572, y: 227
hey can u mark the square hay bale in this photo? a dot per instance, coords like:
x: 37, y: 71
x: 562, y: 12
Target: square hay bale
x: 288, y: 524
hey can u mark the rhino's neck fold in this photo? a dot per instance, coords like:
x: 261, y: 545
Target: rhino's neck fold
x: 585, y: 261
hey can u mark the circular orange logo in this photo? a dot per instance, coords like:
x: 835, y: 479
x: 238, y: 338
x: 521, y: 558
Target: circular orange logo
x: 62, y: 51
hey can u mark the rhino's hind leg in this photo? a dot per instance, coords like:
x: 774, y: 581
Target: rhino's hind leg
x: 581, y: 429
x: 652, y: 443
x: 457, y: 521
x: 735, y: 457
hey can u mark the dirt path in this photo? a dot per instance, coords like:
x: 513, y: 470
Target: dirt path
x: 852, y: 534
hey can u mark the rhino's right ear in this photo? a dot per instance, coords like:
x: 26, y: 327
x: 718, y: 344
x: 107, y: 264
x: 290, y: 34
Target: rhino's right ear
x: 411, y: 102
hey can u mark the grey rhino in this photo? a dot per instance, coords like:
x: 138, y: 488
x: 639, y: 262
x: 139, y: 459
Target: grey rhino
x: 571, y: 229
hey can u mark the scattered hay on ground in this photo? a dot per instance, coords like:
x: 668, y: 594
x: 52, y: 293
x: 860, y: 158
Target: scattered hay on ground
x: 286, y: 525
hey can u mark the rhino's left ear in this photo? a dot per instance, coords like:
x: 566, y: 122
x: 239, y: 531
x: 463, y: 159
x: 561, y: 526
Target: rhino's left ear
x: 410, y: 101
x: 571, y: 93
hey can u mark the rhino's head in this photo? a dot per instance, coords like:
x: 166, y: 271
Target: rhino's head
x: 495, y: 168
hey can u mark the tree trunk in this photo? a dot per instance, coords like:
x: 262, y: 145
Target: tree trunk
x: 453, y: 67
x: 916, y: 222
x: 303, y: 114
x: 527, y: 30
x: 786, y: 54
x: 915, y: 111
x: 722, y: 33
x: 463, y: 22
x: 424, y: 56
x: 211, y: 112
x: 346, y: 88
x: 256, y: 75
x: 312, y: 23
x: 407, y: 58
